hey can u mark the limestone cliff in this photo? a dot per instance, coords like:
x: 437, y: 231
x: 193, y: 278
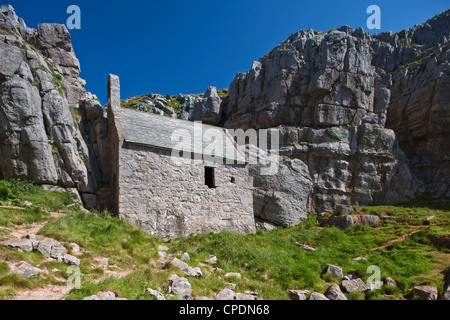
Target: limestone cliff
x: 40, y: 88
x: 366, y: 115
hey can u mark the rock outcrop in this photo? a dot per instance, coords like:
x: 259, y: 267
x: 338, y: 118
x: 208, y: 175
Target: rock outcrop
x: 40, y: 89
x: 367, y: 115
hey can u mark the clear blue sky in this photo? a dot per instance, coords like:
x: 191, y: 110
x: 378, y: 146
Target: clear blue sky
x: 185, y: 46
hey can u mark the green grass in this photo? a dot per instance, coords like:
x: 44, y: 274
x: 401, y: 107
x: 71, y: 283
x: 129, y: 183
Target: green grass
x: 270, y: 262
x: 4, y: 32
x: 223, y: 93
x: 132, y: 101
x: 104, y: 235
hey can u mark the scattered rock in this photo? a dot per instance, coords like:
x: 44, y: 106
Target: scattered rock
x: 226, y: 294
x: 242, y: 296
x: 51, y: 249
x: 180, y: 264
x: 185, y: 257
x: 233, y: 274
x: 106, y: 296
x: 203, y: 298
x: 193, y: 272
x: 264, y: 225
x: 297, y: 294
x: 305, y: 247
x: 162, y: 255
x: 426, y: 292
x: 180, y: 287
x: 317, y: 296
x: 27, y: 203
x: 27, y: 271
x: 20, y: 244
x: 360, y: 259
x: 351, y: 221
x: 231, y: 286
x: 70, y: 260
x: 390, y: 282
x: 252, y: 293
x: 355, y: 285
x: 104, y: 262
x: 335, y: 293
x: 75, y: 247
x: 335, y: 271
x: 156, y: 294
x: 212, y: 260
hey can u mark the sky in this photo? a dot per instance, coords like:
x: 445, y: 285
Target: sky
x: 179, y: 46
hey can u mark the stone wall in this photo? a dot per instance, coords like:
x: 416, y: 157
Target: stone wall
x: 169, y: 200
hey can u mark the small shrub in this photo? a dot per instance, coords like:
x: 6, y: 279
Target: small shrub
x: 333, y: 135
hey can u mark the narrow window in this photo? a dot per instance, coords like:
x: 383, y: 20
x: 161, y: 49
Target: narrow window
x: 233, y: 180
x: 209, y: 177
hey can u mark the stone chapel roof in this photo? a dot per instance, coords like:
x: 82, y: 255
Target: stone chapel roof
x: 157, y: 131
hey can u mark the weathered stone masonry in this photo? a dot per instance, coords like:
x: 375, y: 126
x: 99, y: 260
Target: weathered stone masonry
x: 169, y: 197
x: 170, y: 201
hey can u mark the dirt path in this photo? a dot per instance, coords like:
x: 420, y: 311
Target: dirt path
x: 45, y: 293
x: 402, y: 238
x: 49, y: 292
x: 21, y: 231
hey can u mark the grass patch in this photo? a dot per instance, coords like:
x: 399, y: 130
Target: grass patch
x: 110, y: 237
x: 270, y: 262
x: 129, y: 103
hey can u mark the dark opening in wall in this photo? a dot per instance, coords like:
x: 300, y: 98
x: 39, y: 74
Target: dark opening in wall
x: 233, y: 180
x: 210, y: 177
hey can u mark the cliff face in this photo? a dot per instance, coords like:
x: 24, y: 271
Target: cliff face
x: 357, y: 110
x: 39, y: 90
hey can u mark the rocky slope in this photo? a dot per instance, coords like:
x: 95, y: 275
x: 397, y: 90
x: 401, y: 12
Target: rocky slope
x: 40, y: 90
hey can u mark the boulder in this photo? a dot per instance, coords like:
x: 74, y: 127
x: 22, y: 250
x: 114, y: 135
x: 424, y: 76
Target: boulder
x: 354, y: 285
x: 211, y: 260
x: 334, y: 271
x: 233, y: 274
x: 317, y: 296
x: 426, y: 292
x: 70, y: 260
x: 297, y: 294
x: 26, y: 270
x: 180, y: 287
x: 185, y: 257
x: 51, y: 249
x: 305, y: 247
x: 247, y: 297
x: 105, y: 296
x: 334, y: 293
x: 390, y: 282
x: 155, y: 294
x: 350, y: 221
x: 183, y: 266
x: 226, y: 294
x: 20, y: 244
